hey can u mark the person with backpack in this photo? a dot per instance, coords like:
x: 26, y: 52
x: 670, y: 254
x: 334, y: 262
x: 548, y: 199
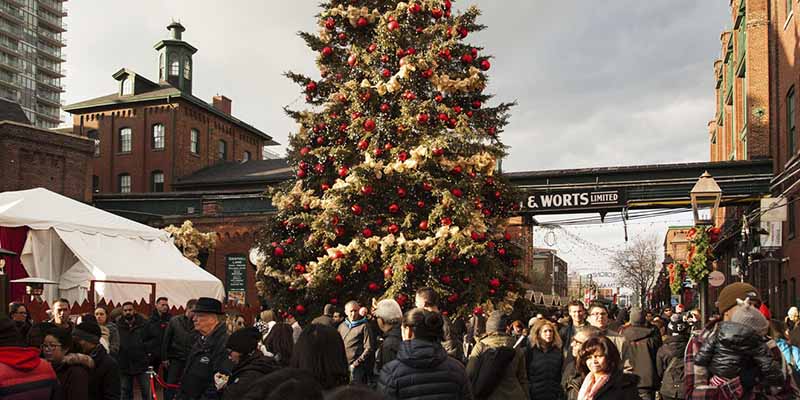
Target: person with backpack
x: 669, y: 359
x: 495, y: 368
x: 643, y: 343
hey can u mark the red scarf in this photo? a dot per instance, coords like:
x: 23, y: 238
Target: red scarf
x: 591, y: 385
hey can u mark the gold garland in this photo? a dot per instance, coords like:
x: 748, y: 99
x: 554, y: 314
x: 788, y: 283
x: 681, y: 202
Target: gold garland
x: 191, y: 241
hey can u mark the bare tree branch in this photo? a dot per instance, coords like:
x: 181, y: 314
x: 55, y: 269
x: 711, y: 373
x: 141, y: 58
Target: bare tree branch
x: 636, y: 266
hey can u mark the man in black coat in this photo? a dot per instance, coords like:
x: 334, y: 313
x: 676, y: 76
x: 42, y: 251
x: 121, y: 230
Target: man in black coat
x: 156, y: 327
x: 104, y: 381
x: 178, y: 340
x: 327, y: 316
x: 208, y: 356
x: 132, y: 355
x: 643, y: 343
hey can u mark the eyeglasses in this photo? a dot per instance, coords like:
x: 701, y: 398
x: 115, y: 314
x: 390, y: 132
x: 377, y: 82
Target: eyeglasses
x: 48, y: 346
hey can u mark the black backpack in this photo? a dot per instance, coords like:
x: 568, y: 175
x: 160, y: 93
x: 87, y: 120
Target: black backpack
x: 672, y: 383
x: 491, y: 365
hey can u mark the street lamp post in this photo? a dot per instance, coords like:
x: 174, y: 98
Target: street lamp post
x: 663, y: 273
x: 705, y: 196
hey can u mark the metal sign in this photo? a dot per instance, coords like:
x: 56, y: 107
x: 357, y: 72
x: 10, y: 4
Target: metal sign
x: 585, y: 199
x: 774, y: 237
x: 716, y: 279
x: 236, y: 277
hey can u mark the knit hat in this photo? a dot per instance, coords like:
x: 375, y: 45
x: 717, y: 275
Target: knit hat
x: 496, y: 323
x: 739, y: 290
x: 750, y: 316
x: 388, y: 310
x: 637, y: 316
x: 677, y: 326
x: 244, y: 340
x: 9, y: 336
x: 88, y: 331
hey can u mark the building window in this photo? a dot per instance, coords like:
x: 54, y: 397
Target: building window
x: 125, y: 140
x: 246, y: 156
x: 95, y: 184
x: 157, y: 181
x: 222, y: 150
x: 187, y: 69
x: 124, y: 183
x: 790, y: 123
x: 127, y: 86
x: 94, y: 135
x: 790, y: 218
x: 174, y: 68
x: 158, y: 137
x: 195, y: 143
x: 161, y: 66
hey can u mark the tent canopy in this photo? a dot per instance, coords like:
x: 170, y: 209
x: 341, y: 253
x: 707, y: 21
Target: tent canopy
x: 72, y: 243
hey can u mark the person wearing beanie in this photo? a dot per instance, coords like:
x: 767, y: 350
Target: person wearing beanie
x: 104, y: 378
x: 669, y: 359
x: 327, y: 316
x: 23, y: 375
x: 249, y: 364
x: 513, y: 376
x: 738, y: 348
x: 389, y: 315
x: 643, y: 343
x: 699, y: 379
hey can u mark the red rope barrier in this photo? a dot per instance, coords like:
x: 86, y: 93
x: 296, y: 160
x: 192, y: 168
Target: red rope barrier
x: 161, y: 380
x: 153, y: 387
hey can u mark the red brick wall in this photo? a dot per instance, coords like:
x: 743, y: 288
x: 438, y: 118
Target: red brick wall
x: 175, y: 160
x: 33, y: 157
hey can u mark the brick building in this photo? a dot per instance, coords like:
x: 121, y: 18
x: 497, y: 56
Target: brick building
x: 148, y: 135
x: 36, y: 157
x: 547, y: 272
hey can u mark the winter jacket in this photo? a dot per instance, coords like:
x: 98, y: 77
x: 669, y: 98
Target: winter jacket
x: 674, y: 348
x: 734, y: 348
x: 113, y: 338
x: 323, y: 320
x: 424, y: 371
x: 566, y: 333
x: 156, y: 327
x: 544, y: 373
x: 207, y: 357
x: 514, y: 384
x: 359, y: 342
x: 73, y: 377
x: 246, y: 373
x: 643, y: 344
x: 571, y: 379
x: 178, y: 339
x: 104, y: 377
x: 132, y: 357
x: 620, y: 386
x: 25, y: 376
x: 387, y: 348
x: 452, y: 344
x: 790, y: 353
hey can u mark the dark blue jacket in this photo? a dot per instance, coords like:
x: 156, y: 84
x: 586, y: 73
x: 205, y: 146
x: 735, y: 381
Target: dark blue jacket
x: 423, y: 370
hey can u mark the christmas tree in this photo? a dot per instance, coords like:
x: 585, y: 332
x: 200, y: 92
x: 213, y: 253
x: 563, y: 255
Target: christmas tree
x: 396, y: 166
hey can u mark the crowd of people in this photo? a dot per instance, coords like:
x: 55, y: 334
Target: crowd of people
x: 380, y: 352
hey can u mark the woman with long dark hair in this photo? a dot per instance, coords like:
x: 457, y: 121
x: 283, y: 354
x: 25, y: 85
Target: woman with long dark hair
x: 279, y: 343
x: 599, y: 359
x: 320, y: 351
x: 422, y: 368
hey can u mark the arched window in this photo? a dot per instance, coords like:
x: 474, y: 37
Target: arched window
x: 94, y: 135
x: 125, y: 140
x: 187, y: 68
x: 157, y: 181
x: 158, y: 137
x: 174, y: 68
x: 222, y: 150
x: 195, y: 142
x: 124, y: 183
x: 127, y: 86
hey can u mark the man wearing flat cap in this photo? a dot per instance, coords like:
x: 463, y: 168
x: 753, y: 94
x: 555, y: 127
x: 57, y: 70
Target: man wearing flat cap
x: 208, y: 356
x: 697, y: 377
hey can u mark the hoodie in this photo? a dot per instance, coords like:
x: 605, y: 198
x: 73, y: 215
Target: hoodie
x: 423, y: 370
x: 25, y: 376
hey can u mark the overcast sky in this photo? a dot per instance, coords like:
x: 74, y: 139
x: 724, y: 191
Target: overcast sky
x: 616, y: 82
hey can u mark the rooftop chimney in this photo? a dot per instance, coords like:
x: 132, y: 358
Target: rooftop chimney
x: 222, y: 103
x: 177, y: 29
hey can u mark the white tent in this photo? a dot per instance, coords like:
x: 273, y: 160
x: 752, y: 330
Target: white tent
x: 72, y: 243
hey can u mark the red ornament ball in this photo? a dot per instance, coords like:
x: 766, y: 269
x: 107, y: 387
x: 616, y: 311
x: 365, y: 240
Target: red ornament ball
x: 410, y: 268
x: 301, y: 173
x: 437, y: 13
x: 476, y: 104
x: 278, y: 252
x: 457, y: 170
x: 453, y: 298
x: 305, y: 150
x: 373, y: 287
x: 351, y: 61
x: 393, y: 25
x: 394, y: 208
x: 339, y: 279
x: 494, y: 282
x: 364, y: 267
x: 362, y: 22
x: 423, y: 225
x: 439, y: 98
x: 478, y: 310
x: 393, y: 229
x: 356, y: 209
x: 363, y: 144
x: 474, y: 261
x: 367, y: 190
x: 343, y: 171
x: 485, y: 65
x: 372, y: 47
x: 330, y: 23
x: 421, y: 204
x: 422, y: 118
x: 427, y: 186
x: 414, y: 8
x: 300, y: 269
x: 369, y: 125
x: 466, y: 59
x: 300, y: 309
x: 467, y: 280
x: 388, y: 272
x: 327, y: 51
x: 402, y: 192
x: 386, y: 72
x: 385, y: 107
x: 456, y: 192
x: 446, y: 221
x: 312, y: 86
x: 367, y: 232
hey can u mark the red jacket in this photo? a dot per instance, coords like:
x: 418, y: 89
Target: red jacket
x: 25, y: 376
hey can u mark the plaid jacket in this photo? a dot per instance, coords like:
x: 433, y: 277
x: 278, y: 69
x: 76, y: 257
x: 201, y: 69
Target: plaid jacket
x: 697, y: 379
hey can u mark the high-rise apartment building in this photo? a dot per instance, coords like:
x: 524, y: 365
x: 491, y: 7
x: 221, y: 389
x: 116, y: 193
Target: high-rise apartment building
x: 31, y: 55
